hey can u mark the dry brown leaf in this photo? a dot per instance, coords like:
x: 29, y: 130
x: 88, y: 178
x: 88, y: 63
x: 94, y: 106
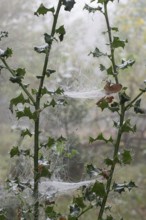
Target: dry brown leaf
x: 108, y: 99
x: 112, y: 88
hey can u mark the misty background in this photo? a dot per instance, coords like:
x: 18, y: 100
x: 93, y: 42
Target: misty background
x: 75, y: 71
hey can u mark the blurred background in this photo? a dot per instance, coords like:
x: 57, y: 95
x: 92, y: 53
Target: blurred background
x: 76, y: 71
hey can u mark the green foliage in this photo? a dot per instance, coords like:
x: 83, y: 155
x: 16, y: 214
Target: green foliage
x: 137, y: 107
x: 42, y: 10
x: 14, y: 151
x: 61, y: 31
x: 6, y: 53
x: 26, y: 132
x: 91, y: 9
x: 101, y: 138
x: 118, y: 43
x: 121, y: 187
x: 126, y: 157
x: 2, y: 214
x: 95, y: 195
x: 41, y: 49
x: 127, y: 127
x: 19, y: 99
x: 26, y: 113
x: 3, y: 34
x: 97, y: 53
x: 99, y: 189
x: 91, y: 170
x: 68, y: 4
x: 126, y: 63
x: 124, y: 97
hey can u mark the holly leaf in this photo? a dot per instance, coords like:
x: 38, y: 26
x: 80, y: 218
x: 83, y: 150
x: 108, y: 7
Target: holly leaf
x: 108, y: 162
x: 53, y: 103
x: 91, y: 9
x: 127, y: 127
x: 131, y: 185
x: 3, y: 34
x: 44, y: 172
x: 102, y: 67
x: 50, y: 142
x: 49, y: 72
x: 61, y: 139
x: 126, y: 157
x: 110, y: 71
x: 114, y: 107
x: 26, y: 113
x: 91, y: 170
x: 74, y: 210
x: 101, y: 138
x: 99, y: 189
x: 61, y: 31
x: 118, y: 43
x: 26, y: 132
x: 42, y: 10
x: 80, y: 202
x: 15, y: 79
x: 125, y: 64
x: 6, y: 53
x: 50, y: 213
x: 20, y: 72
x: 97, y: 53
x: 41, y: 49
x: 121, y: 187
x: 109, y: 217
x: 137, y: 107
x: 103, y: 103
x: 45, y: 91
x: 19, y: 99
x: 14, y: 151
x: 25, y: 152
x: 124, y: 97
x: 48, y: 38
x: 59, y: 91
x: 69, y: 4
x: 115, y: 29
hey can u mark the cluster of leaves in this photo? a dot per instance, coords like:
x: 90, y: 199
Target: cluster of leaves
x: 3, y: 34
x: 2, y: 214
x: 117, y: 101
x: 30, y: 104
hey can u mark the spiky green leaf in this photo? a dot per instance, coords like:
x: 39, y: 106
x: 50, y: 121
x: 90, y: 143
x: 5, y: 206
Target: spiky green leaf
x: 126, y: 157
x: 127, y: 127
x: 19, y: 99
x: 97, y: 53
x: 137, y: 107
x: 118, y: 43
x: 99, y: 189
x: 69, y: 4
x: 42, y: 10
x: 61, y: 31
x: 125, y: 64
x: 101, y: 138
x: 6, y: 53
x: 26, y: 132
x: 26, y: 113
x: 14, y: 151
